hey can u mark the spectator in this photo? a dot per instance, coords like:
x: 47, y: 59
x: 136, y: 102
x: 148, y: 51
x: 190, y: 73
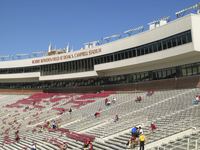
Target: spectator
x: 47, y: 124
x: 138, y: 99
x: 195, y: 102
x: 63, y: 146
x: 17, y: 138
x: 97, y: 114
x: 197, y: 98
x: 88, y: 145
x: 116, y: 118
x: 54, y: 125
x: 132, y: 142
x: 33, y: 146
x: 134, y: 132
x: 153, y: 127
x: 142, y: 141
x: 150, y: 92
x: 70, y: 111
x: 107, y: 102
x: 140, y: 131
x: 114, y: 100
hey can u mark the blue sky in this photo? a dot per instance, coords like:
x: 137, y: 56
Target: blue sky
x: 30, y: 25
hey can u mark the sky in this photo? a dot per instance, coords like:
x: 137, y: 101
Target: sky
x: 27, y: 26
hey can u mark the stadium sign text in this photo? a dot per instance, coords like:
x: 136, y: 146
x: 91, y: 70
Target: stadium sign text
x: 66, y: 57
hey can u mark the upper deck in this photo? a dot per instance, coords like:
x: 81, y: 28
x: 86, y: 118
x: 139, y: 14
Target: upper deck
x: 179, y: 25
x: 151, y: 49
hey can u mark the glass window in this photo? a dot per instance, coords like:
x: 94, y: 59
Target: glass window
x: 155, y: 48
x: 146, y: 51
x: 141, y: 76
x: 164, y: 72
x: 122, y: 55
x: 189, y: 71
x: 194, y: 70
x: 130, y: 53
x: 104, y: 59
x: 183, y: 39
x: 179, y: 41
x: 173, y: 72
x: 134, y: 52
x: 111, y: 58
x: 118, y: 56
x: 142, y: 51
x: 189, y: 37
x: 159, y: 46
x: 150, y: 49
x: 101, y: 60
x: 108, y: 58
x: 115, y: 57
x: 164, y: 43
x: 146, y: 76
x: 159, y: 74
x: 138, y: 52
x: 138, y: 76
x: 169, y: 44
x: 174, y: 43
x: 126, y: 54
x: 198, y: 69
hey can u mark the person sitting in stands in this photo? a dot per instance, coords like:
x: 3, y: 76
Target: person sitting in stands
x: 116, y: 118
x: 54, y: 125
x: 33, y: 146
x: 97, y: 114
x: 17, y: 138
x: 114, y: 100
x: 197, y: 98
x: 153, y: 127
x: 138, y: 99
x: 140, y: 131
x: 88, y: 145
x: 40, y: 129
x: 134, y: 132
x: 106, y: 101
x: 132, y: 142
x: 47, y: 125
x: 149, y: 93
x: 63, y: 146
x: 70, y: 111
x: 196, y: 101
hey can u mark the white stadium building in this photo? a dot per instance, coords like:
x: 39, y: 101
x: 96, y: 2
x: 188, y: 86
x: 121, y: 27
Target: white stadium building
x: 166, y: 50
x: 140, y: 76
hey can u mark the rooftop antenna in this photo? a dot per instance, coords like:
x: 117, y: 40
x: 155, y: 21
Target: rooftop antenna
x: 185, y: 11
x: 131, y: 31
x: 38, y: 53
x: 4, y: 57
x: 67, y: 48
x: 21, y: 55
x: 50, y: 47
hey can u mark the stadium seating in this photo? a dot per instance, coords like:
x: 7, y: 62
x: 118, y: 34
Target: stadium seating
x: 171, y: 110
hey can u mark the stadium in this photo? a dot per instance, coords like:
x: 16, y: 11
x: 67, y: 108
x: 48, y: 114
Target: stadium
x: 100, y: 92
